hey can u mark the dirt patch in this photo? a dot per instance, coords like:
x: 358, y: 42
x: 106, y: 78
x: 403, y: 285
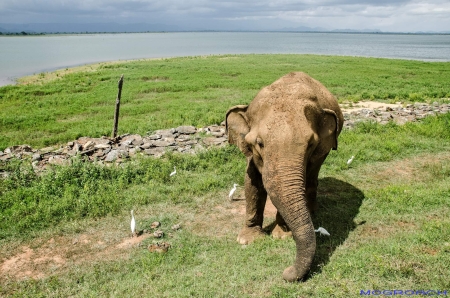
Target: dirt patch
x: 132, y: 242
x: 39, y: 260
x: 347, y: 107
x: 418, y: 168
x: 382, y: 231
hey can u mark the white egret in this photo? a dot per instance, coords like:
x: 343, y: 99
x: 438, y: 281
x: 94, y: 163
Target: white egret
x: 133, y: 224
x: 350, y: 160
x: 232, y: 191
x: 322, y: 231
x: 174, y: 172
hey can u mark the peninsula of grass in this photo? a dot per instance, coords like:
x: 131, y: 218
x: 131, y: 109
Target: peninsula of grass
x: 62, y: 232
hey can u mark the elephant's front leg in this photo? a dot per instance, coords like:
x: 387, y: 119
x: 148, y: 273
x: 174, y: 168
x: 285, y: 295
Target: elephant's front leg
x: 281, y: 230
x: 312, y: 182
x: 255, y: 196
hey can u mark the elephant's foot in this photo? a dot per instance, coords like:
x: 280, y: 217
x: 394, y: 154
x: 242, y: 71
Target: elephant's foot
x: 249, y: 234
x: 290, y: 274
x: 281, y: 232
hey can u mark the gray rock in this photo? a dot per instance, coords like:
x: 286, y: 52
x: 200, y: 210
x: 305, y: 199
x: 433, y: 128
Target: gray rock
x: 183, y: 138
x: 102, y: 140
x: 137, y: 142
x: 83, y: 140
x: 155, y: 137
x: 166, y: 133
x: 212, y: 141
x: 157, y: 151
x: 146, y: 145
x: 5, y: 157
x: 99, y: 154
x: 72, y: 153
x: 36, y: 157
x: 186, y: 129
x: 25, y: 148
x: 76, y: 147
x: 112, y: 156
x: 190, y: 142
x: 47, y: 149
x: 131, y: 137
x: 132, y: 151
x: 159, y: 143
x: 88, y: 145
x: 169, y: 140
x: 215, y: 128
x: 126, y: 144
x: 87, y: 152
x: 218, y: 133
x: 386, y: 116
x: 8, y: 150
x: 58, y: 160
x: 102, y: 146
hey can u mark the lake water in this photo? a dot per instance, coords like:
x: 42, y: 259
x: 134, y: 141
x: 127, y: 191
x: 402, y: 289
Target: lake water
x: 20, y: 56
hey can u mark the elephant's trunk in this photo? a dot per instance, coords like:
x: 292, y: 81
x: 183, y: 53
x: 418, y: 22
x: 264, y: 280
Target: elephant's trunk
x: 285, y: 184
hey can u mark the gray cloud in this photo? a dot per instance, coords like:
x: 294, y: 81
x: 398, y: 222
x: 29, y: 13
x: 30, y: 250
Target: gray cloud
x: 387, y: 15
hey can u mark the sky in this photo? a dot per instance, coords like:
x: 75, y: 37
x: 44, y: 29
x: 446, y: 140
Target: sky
x: 384, y: 15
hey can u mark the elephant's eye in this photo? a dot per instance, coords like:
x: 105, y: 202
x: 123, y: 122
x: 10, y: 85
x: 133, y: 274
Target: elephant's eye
x: 260, y: 142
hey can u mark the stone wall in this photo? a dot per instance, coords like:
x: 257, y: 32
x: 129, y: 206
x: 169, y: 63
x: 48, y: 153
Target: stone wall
x: 187, y: 139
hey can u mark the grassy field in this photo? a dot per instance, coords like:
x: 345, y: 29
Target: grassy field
x: 195, y: 91
x: 66, y: 233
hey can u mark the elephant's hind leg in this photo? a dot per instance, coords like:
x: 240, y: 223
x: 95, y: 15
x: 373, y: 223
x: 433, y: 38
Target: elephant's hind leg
x: 255, y: 196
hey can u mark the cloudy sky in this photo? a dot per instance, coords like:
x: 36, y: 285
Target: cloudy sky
x: 385, y: 15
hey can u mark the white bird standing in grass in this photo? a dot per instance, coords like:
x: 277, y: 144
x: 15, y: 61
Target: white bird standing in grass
x: 322, y: 231
x: 133, y: 224
x: 232, y: 191
x: 350, y: 160
x: 174, y: 172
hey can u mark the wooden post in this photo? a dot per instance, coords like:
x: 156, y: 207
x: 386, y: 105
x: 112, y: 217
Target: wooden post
x: 116, y: 113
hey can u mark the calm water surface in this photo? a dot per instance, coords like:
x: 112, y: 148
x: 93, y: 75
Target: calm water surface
x: 20, y: 56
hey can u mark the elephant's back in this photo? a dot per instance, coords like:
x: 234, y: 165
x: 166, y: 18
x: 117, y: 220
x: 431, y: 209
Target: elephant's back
x: 297, y: 86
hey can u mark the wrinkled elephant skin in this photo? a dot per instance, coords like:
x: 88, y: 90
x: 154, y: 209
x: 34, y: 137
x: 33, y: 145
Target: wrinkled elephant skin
x: 286, y: 133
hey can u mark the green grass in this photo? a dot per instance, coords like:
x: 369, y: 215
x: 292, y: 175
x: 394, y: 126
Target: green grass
x: 193, y: 91
x: 388, y: 212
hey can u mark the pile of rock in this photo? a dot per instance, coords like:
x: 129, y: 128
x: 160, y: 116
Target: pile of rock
x: 400, y: 114
x: 188, y: 139
x: 184, y: 139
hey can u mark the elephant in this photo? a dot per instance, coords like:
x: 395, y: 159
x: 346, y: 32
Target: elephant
x: 285, y: 133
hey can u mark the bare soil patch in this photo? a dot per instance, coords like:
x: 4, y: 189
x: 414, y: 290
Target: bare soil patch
x: 371, y: 105
x: 417, y: 168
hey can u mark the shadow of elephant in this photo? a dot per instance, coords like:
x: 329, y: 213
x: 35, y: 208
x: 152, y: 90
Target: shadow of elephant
x: 339, y: 204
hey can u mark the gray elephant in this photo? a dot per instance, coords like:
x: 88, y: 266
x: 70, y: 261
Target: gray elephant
x: 286, y: 133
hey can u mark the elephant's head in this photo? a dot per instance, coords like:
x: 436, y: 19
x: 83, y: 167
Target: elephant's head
x: 287, y: 131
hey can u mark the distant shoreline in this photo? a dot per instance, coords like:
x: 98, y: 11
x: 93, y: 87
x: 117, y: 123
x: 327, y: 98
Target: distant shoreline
x: 29, y: 33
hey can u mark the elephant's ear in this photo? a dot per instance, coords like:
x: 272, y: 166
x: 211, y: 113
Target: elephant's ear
x: 237, y: 128
x: 330, y: 126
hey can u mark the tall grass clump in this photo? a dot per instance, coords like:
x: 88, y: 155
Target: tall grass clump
x: 31, y: 202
